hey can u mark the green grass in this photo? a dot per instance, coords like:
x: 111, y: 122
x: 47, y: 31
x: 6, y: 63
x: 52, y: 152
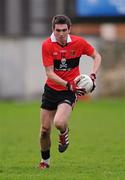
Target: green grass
x: 97, y: 143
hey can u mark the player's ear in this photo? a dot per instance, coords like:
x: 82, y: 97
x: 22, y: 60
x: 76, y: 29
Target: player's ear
x: 53, y: 27
x: 69, y: 30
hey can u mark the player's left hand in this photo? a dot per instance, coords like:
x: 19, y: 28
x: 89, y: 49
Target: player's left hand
x: 93, y: 78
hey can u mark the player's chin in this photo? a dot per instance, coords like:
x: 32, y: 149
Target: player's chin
x: 63, y: 39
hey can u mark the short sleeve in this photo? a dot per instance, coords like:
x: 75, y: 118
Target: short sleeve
x: 87, y: 48
x: 47, y: 57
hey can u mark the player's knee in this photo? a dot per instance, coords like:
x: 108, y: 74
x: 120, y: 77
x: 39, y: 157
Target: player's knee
x: 58, y: 124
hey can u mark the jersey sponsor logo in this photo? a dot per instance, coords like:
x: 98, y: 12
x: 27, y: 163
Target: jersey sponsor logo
x: 66, y: 64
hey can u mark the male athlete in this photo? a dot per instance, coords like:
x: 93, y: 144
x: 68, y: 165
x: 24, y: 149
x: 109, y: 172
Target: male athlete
x: 61, y: 54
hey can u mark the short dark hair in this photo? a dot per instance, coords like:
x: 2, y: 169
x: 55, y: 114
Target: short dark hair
x: 61, y: 19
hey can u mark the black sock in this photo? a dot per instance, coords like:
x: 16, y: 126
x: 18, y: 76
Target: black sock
x: 45, y: 154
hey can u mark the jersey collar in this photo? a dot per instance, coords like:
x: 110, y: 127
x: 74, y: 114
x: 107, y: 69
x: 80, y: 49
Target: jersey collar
x: 53, y: 38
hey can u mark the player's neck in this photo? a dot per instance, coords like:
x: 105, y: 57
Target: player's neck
x: 62, y: 43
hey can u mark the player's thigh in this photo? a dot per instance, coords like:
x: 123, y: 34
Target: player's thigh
x: 63, y: 112
x: 46, y: 118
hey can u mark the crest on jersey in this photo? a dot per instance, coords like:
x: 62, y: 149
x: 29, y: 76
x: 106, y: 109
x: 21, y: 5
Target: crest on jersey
x: 73, y: 52
x: 63, y: 64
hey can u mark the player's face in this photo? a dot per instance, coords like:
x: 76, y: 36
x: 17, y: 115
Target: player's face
x: 61, y: 32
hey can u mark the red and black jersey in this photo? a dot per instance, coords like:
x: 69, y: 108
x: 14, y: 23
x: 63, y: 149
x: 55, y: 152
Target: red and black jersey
x: 65, y: 59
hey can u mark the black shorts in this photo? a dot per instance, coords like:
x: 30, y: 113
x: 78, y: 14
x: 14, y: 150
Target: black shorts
x: 52, y: 98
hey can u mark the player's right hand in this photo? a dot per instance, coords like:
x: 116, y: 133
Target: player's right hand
x: 72, y: 86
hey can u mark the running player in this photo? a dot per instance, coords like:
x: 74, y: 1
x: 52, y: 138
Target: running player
x: 61, y: 54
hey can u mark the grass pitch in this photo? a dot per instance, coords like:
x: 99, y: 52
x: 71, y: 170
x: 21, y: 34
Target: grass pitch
x: 96, y: 150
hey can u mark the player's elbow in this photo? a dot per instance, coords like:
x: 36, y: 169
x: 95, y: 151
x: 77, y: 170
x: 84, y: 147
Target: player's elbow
x: 96, y: 56
x: 99, y: 58
x: 49, y: 74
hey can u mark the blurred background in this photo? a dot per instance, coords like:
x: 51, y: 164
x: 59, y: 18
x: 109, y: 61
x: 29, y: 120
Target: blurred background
x: 24, y: 24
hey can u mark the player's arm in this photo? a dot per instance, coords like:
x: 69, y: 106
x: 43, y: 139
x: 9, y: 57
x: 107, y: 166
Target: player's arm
x: 90, y: 51
x: 96, y: 63
x: 54, y: 77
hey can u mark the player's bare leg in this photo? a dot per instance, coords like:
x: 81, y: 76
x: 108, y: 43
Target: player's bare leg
x: 45, y: 140
x: 61, y: 123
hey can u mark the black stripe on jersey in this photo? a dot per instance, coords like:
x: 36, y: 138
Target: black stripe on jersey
x: 66, y: 64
